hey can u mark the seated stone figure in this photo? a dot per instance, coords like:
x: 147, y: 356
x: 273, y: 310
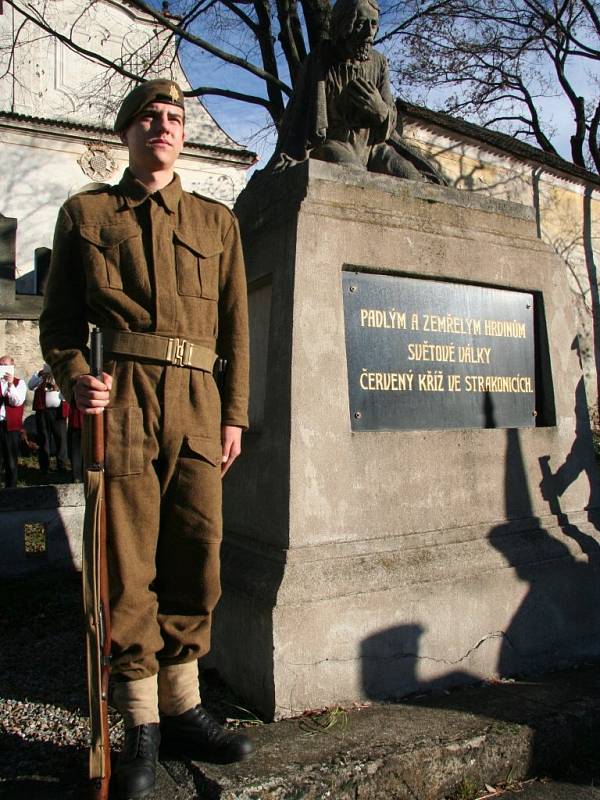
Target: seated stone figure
x: 342, y: 109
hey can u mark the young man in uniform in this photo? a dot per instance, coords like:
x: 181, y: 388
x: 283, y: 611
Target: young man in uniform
x: 161, y: 272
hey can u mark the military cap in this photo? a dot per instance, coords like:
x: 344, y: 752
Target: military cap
x: 160, y: 90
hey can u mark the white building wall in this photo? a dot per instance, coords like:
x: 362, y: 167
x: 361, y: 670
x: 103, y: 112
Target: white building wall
x: 42, y: 78
x: 40, y: 171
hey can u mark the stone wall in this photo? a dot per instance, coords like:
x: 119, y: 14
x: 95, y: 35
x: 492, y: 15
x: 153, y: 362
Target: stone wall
x: 19, y: 338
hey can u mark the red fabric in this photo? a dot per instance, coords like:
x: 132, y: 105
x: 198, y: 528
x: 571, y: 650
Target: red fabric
x: 14, y: 414
x: 75, y: 418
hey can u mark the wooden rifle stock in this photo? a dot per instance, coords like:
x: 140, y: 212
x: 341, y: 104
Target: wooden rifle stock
x: 97, y: 596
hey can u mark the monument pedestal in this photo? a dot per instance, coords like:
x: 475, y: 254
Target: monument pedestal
x: 371, y: 564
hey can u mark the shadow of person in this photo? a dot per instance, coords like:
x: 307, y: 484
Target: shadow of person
x: 390, y: 663
x: 557, y: 621
x: 579, y: 461
x: 39, y: 770
x: 488, y: 411
x: 42, y: 641
x: 555, y: 624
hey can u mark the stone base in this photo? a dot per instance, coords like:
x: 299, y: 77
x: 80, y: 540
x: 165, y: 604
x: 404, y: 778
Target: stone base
x: 374, y: 564
x: 60, y: 510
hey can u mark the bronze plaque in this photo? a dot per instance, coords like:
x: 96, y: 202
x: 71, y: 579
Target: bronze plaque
x: 426, y: 354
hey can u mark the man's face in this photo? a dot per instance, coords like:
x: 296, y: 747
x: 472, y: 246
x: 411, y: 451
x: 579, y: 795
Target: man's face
x: 155, y: 137
x: 360, y: 40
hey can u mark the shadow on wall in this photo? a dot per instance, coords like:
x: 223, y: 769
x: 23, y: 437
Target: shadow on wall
x: 556, y: 623
x: 592, y: 272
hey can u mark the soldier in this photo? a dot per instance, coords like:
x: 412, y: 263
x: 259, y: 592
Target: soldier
x: 161, y: 272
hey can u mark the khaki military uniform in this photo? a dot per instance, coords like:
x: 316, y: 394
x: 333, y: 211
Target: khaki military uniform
x: 167, y: 264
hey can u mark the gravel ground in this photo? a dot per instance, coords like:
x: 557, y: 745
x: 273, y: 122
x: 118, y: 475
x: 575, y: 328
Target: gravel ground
x: 43, y: 697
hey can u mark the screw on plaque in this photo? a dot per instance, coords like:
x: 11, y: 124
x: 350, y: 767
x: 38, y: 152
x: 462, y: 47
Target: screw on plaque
x: 357, y: 415
x: 352, y: 288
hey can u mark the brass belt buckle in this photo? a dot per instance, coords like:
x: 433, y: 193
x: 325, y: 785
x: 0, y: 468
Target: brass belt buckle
x: 179, y: 352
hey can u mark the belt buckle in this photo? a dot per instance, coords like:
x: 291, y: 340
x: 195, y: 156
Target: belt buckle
x: 180, y: 351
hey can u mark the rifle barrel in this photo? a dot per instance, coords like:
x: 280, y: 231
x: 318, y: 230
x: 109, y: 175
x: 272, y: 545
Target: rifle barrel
x: 100, y: 786
x: 96, y: 358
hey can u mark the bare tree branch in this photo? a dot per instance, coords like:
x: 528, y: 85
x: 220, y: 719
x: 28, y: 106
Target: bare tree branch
x: 593, y: 138
x: 285, y: 11
x: 200, y: 91
x: 266, y: 43
x: 230, y: 58
x: 496, y: 60
x: 232, y: 6
x: 316, y: 15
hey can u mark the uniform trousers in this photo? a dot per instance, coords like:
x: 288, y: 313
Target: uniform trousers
x: 163, y: 493
x: 9, y: 454
x: 51, y: 427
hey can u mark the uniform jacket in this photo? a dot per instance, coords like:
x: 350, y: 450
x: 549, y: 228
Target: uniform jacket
x: 172, y: 266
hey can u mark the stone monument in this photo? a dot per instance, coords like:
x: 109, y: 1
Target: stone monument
x: 417, y: 501
x: 342, y: 109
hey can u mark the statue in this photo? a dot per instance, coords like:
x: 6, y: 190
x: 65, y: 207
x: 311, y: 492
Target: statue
x: 342, y: 109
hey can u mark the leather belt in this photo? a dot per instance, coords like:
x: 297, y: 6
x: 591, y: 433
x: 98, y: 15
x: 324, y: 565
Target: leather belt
x: 167, y: 350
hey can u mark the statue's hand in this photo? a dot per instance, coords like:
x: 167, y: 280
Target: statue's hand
x: 365, y: 98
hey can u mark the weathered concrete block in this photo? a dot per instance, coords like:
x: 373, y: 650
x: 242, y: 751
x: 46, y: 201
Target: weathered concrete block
x: 60, y: 510
x: 374, y: 564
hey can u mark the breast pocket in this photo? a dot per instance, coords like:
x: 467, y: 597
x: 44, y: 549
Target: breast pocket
x: 107, y: 250
x: 197, y: 259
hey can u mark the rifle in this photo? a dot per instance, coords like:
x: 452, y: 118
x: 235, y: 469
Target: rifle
x: 220, y: 375
x: 96, y: 597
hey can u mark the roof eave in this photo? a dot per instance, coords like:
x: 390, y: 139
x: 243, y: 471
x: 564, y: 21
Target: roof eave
x: 496, y: 141
x: 79, y: 131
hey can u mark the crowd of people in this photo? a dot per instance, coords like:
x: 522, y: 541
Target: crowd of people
x: 57, y: 425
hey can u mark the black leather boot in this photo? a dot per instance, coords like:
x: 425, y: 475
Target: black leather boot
x: 135, y: 773
x: 197, y: 735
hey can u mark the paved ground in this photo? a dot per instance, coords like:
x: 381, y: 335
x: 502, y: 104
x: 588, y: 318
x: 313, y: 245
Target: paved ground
x: 427, y: 748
